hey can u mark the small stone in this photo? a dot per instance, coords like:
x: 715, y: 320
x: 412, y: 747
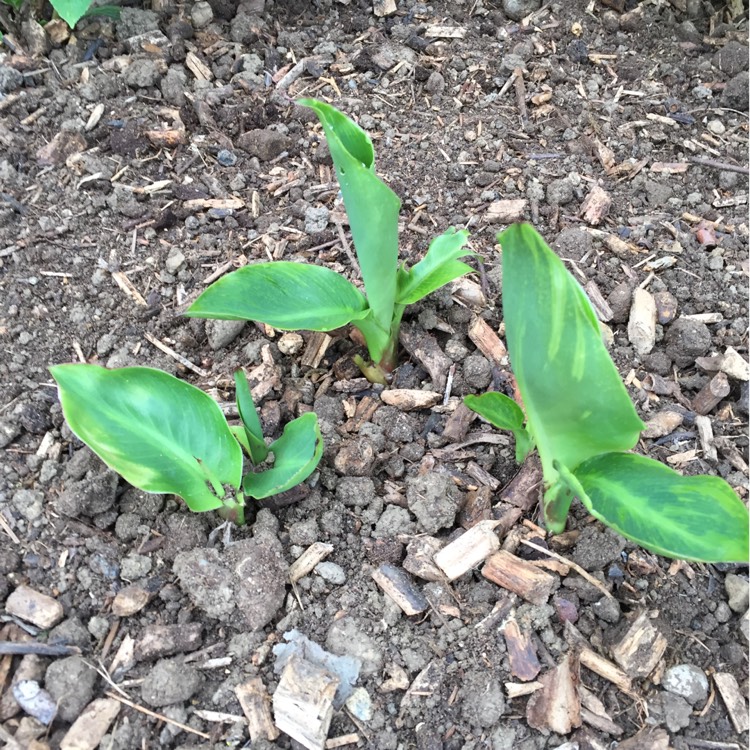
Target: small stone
x: 662, y: 423
x: 226, y: 158
x: 265, y: 144
x: 29, y: 503
x: 221, y: 333
x: 477, y: 372
x: 666, y: 307
x: 735, y: 94
x: 435, y: 84
x: 360, y: 704
x: 89, y: 728
x: 672, y: 710
x: 737, y: 591
x: 560, y: 192
x: 687, y: 681
x: 291, y: 343
x: 9, y: 431
x: 734, y: 365
x: 434, y: 499
x: 316, y: 219
x: 331, y: 572
x: 393, y: 521
x: 170, y: 681
x: 174, y: 261
x: 596, y: 549
x: 731, y: 58
x: 355, y: 458
x: 607, y: 609
x: 158, y: 641
x: 687, y: 339
x: 483, y: 700
x: 620, y: 301
x: 519, y: 9
x: 130, y: 600
x: 134, y: 567
x: 70, y: 682
x: 38, y: 609
x: 716, y: 127
x: 201, y: 14
x: 10, y: 79
x: 144, y: 73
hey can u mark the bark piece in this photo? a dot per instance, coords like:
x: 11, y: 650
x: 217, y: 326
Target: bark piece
x: 488, y: 342
x: 471, y: 548
x: 647, y: 739
x: 595, y: 714
x: 476, y: 508
x: 523, y: 490
x: 419, y: 558
x: 158, y: 641
x: 706, y: 435
x: 396, y: 583
x: 303, y: 702
x: 596, y: 206
x: 475, y: 471
x: 601, y: 306
x: 256, y: 706
x: 424, y: 348
x: 556, y: 707
x: 315, y: 350
x: 408, y: 399
x: 197, y: 67
x: 34, y: 607
x: 458, y: 423
x: 734, y: 365
x: 641, y: 648
x: 506, y: 211
x: 130, y: 600
x: 735, y: 702
x: 642, y: 322
x: 91, y: 726
x: 524, y: 663
x: 314, y: 554
x: 519, y: 576
x: 709, y: 396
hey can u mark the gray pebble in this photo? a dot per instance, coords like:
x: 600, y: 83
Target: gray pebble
x: 70, y: 681
x: 221, y: 333
x: 29, y: 503
x: 316, y: 219
x: 737, y: 591
x: 394, y: 520
x: 477, y: 372
x: 134, y: 567
x: 226, y: 158
x: 687, y: 339
x: 201, y: 14
x: 607, y: 609
x: 331, y: 572
x: 346, y: 638
x: 687, y: 681
x: 435, y: 83
x: 170, y: 681
x: 434, y: 499
x: 518, y: 9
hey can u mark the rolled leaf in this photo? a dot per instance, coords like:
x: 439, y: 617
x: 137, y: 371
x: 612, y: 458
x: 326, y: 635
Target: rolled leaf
x: 690, y: 518
x: 371, y: 206
x: 438, y: 267
x: 296, y: 454
x: 160, y: 433
x: 505, y: 414
x: 253, y: 443
x: 284, y: 295
x: 576, y: 404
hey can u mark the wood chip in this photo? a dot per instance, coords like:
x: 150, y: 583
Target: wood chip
x: 167, y: 138
x: 469, y: 292
x: 130, y: 600
x: 91, y: 726
x: 256, y: 706
x: 523, y: 490
x: 642, y: 322
x: 732, y: 696
x: 524, y: 663
x: 470, y: 549
x: 437, y: 31
x: 34, y: 607
x: 506, y: 211
x: 600, y: 304
x: 419, y: 560
x: 343, y: 740
x: 519, y: 576
x: 383, y: 8
x: 679, y: 167
x: 595, y: 714
x: 127, y: 286
x: 425, y: 349
x: 647, y: 739
x: 225, y: 204
x: 488, y: 342
x: 458, y: 423
x: 314, y: 554
x: 711, y: 394
x: 519, y: 689
x: 303, y: 702
x: 606, y: 669
x: 197, y: 67
x: 734, y: 365
x: 396, y: 583
x: 315, y: 350
x: 662, y: 423
x: 596, y: 206
x: 706, y: 436
x: 641, y: 648
x: 407, y: 399
x: 556, y: 707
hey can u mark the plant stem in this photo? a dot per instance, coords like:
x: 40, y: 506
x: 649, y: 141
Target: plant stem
x: 234, y: 510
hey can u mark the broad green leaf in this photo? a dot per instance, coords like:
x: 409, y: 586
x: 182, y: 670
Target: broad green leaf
x: 296, y: 454
x: 505, y: 414
x: 284, y: 295
x: 255, y: 445
x: 576, y: 404
x: 160, y: 433
x: 372, y: 207
x: 438, y: 267
x: 691, y: 518
x: 71, y: 11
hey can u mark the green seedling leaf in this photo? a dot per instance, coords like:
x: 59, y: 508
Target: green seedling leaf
x: 160, y: 433
x: 284, y: 295
x: 372, y: 208
x: 296, y: 454
x: 254, y: 443
x: 71, y: 11
x: 505, y: 414
x: 106, y: 11
x: 691, y: 518
x: 576, y: 404
x: 438, y: 267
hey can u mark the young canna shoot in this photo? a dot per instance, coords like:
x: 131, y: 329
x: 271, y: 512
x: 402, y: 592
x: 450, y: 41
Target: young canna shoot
x: 583, y: 424
x: 291, y: 296
x: 164, y: 435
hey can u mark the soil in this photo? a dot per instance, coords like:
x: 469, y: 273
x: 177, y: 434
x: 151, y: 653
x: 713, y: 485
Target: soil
x: 146, y: 156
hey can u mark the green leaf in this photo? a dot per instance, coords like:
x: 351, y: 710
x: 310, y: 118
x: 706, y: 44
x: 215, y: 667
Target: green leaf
x: 296, y: 454
x: 438, y: 267
x: 505, y: 414
x: 71, y: 11
x: 284, y: 295
x: 255, y: 445
x: 576, y: 404
x: 159, y: 433
x: 105, y: 11
x: 372, y: 208
x: 690, y: 518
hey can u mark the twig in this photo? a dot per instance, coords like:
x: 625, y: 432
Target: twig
x: 578, y: 569
x: 713, y: 164
x: 520, y: 94
x: 184, y: 361
x: 7, y: 529
x: 39, y: 649
x: 449, y: 384
x: 155, y: 715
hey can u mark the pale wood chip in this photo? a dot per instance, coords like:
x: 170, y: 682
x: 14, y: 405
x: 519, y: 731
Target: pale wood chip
x: 556, y: 707
x: 255, y: 705
x: 640, y: 649
x: 732, y: 696
x: 519, y: 576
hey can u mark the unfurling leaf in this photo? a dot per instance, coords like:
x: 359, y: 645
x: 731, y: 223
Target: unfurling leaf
x: 253, y: 433
x: 505, y: 414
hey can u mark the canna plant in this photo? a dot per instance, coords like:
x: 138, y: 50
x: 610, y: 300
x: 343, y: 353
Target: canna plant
x: 582, y: 422
x: 164, y: 435
x: 292, y: 296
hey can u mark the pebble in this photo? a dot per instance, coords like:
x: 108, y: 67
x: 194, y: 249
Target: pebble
x: 35, y: 701
x: 174, y: 261
x: 346, y: 638
x: 434, y: 499
x: 134, y: 567
x: 158, y: 641
x: 221, y: 333
x: 331, y: 572
x: 716, y: 127
x: 291, y: 343
x: 737, y: 591
x: 607, y: 609
x: 687, y: 339
x: 518, y: 9
x: 673, y: 710
x: 265, y: 144
x: 170, y: 681
x: 29, y: 503
x: 201, y: 14
x: 316, y: 219
x: 9, y: 431
x: 477, y: 372
x: 435, y: 84
x: 10, y: 79
x: 31, y: 606
x: 130, y: 600
x: 687, y: 681
x: 70, y: 682
x: 360, y: 704
x: 226, y: 158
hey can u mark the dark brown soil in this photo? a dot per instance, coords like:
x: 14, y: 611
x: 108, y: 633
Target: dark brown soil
x: 650, y: 105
